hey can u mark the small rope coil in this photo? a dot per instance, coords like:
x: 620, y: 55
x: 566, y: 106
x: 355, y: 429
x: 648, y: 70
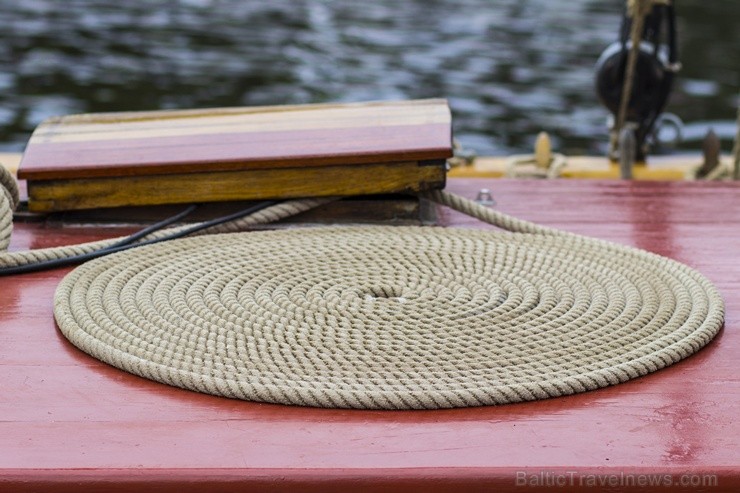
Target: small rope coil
x: 381, y: 317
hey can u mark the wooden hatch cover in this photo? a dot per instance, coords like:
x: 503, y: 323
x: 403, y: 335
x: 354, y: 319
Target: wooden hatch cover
x: 184, y: 156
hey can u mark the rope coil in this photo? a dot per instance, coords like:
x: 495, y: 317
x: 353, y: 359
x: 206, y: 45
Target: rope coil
x: 379, y: 317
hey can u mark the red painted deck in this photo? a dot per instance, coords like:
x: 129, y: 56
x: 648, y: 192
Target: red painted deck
x: 71, y: 423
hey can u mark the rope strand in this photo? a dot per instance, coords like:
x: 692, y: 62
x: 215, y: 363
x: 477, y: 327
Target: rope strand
x: 10, y: 199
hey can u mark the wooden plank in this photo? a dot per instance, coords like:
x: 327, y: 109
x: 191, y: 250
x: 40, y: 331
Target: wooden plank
x: 133, y: 125
x: 132, y: 144
x: 278, y: 183
x: 229, y: 152
x: 71, y: 423
x: 376, y: 209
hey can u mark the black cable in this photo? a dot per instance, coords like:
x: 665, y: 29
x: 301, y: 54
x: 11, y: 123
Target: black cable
x: 154, y: 227
x: 125, y: 244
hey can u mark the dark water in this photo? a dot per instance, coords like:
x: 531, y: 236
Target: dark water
x: 509, y: 67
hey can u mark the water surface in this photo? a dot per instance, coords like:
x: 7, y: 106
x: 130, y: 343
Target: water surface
x: 509, y: 67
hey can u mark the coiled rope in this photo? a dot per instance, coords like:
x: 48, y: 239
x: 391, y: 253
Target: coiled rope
x: 380, y: 317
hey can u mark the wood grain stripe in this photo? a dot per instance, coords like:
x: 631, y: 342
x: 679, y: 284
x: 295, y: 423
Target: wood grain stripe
x: 56, y: 195
x: 234, y: 151
x: 71, y: 129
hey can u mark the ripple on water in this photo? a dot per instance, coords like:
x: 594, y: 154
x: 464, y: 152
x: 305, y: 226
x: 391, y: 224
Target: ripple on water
x: 510, y: 68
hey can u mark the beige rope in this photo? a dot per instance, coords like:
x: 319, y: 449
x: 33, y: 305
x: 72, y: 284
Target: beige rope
x: 383, y: 317
x: 9, y: 201
x: 524, y: 166
x: 542, y: 164
x: 389, y: 317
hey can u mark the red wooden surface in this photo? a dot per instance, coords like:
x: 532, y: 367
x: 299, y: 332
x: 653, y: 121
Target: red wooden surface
x: 71, y: 423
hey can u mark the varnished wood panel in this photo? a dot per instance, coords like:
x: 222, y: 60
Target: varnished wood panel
x: 279, y: 183
x: 395, y: 209
x: 71, y: 423
x: 135, y: 144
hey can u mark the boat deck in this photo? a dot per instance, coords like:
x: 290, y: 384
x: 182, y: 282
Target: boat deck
x: 71, y: 423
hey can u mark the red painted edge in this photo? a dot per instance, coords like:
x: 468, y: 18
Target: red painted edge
x: 427, y: 480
